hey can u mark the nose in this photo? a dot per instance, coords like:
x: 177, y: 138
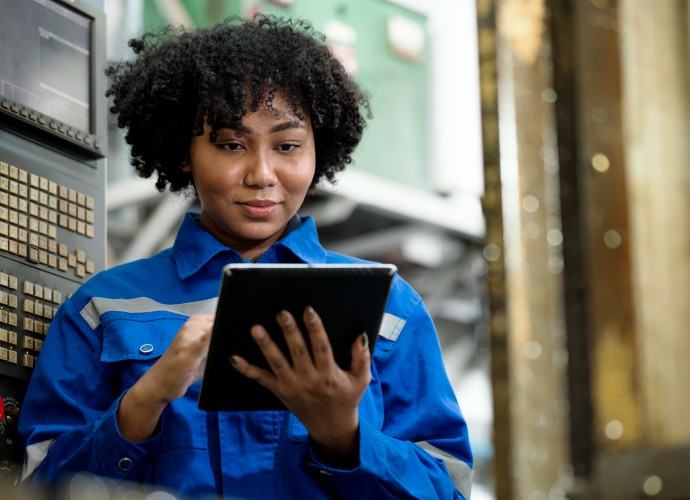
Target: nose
x: 259, y: 171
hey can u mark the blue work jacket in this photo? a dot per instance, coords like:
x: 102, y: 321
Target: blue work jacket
x: 413, y: 438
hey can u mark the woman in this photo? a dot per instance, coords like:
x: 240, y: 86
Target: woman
x: 249, y: 116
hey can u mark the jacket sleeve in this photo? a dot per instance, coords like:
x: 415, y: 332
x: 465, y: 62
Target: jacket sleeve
x: 68, y: 419
x: 422, y: 450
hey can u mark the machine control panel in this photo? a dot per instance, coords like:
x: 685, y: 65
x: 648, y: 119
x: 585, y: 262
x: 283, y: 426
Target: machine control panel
x: 52, y: 237
x: 53, y: 141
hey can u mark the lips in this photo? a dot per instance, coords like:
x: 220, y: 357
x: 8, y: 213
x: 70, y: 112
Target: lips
x: 259, y: 208
x: 259, y: 203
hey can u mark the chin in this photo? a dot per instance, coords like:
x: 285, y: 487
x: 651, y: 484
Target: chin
x: 260, y: 236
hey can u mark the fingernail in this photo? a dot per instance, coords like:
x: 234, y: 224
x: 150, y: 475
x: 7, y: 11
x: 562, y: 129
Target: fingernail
x: 365, y: 340
x: 310, y: 314
x: 283, y: 317
x: 233, y: 361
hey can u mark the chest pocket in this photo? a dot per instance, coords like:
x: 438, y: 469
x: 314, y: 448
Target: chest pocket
x: 132, y: 344
x: 135, y: 342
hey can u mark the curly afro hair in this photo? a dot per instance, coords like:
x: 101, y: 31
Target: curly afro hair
x: 179, y: 78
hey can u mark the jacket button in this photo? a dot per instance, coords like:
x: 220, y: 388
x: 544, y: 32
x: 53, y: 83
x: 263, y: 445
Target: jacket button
x: 124, y: 464
x: 146, y: 349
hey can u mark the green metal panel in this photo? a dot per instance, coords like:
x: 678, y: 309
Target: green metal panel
x: 395, y: 144
x: 202, y: 12
x: 152, y: 17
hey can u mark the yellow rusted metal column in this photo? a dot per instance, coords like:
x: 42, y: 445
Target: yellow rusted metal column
x: 604, y: 205
x: 534, y: 258
x: 656, y: 98
x: 494, y: 251
x: 524, y: 251
x: 589, y: 246
x: 650, y: 457
x: 602, y: 337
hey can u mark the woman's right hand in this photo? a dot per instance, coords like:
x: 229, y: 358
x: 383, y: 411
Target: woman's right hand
x: 181, y: 365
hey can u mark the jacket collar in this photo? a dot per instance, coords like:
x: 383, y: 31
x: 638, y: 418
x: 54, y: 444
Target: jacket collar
x: 194, y: 247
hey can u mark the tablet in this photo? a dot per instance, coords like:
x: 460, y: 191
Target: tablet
x: 349, y: 298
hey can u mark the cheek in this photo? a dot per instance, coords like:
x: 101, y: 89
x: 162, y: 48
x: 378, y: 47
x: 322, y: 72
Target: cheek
x: 307, y: 174
x: 302, y: 183
x: 217, y: 179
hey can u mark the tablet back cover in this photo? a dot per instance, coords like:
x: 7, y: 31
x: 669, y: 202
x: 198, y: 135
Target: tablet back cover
x: 350, y: 299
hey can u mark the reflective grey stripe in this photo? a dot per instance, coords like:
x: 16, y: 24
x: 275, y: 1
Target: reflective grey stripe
x: 92, y: 311
x: 460, y: 472
x: 35, y: 454
x: 391, y: 326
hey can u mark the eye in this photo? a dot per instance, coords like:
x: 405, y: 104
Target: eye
x: 231, y: 146
x: 288, y: 147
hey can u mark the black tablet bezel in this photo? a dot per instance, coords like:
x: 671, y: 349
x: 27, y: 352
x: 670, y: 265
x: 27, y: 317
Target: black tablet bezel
x: 350, y: 299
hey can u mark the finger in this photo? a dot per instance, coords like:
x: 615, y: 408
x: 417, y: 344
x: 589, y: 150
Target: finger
x: 274, y: 356
x: 192, y: 339
x: 201, y: 321
x: 360, y: 368
x: 263, y: 377
x: 320, y: 345
x: 206, y: 318
x: 299, y: 351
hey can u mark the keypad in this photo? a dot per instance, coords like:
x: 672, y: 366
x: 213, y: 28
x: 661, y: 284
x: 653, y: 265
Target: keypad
x: 35, y: 304
x: 33, y: 209
x: 42, y: 226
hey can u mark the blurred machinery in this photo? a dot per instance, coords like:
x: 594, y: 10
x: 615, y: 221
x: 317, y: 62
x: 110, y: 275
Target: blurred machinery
x: 52, y: 182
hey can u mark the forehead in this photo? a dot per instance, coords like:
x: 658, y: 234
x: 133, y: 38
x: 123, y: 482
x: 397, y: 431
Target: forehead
x: 276, y: 104
x: 273, y: 107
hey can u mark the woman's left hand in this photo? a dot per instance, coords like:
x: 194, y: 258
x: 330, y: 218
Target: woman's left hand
x: 313, y: 387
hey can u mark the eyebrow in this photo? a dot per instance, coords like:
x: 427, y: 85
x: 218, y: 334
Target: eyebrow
x: 286, y: 125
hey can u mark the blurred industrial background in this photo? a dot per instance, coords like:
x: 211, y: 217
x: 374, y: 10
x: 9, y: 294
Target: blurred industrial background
x: 527, y: 171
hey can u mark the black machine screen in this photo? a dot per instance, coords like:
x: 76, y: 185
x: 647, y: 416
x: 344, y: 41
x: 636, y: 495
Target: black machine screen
x: 45, y: 59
